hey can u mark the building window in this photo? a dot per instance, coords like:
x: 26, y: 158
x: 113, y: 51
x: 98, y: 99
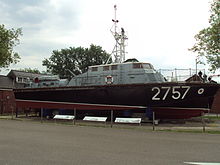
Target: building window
x: 26, y: 79
x: 105, y: 68
x: 114, y: 67
x: 19, y: 79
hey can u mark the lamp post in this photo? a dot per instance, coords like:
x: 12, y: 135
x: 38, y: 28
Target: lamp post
x: 196, y: 63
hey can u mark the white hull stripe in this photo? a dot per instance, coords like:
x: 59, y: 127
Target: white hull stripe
x: 86, y: 104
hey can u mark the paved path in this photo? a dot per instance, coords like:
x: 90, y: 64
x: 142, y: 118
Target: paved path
x: 27, y: 143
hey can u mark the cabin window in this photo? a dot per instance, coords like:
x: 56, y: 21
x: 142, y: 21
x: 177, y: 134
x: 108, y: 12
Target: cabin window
x: 147, y: 66
x: 94, y: 69
x: 114, y: 67
x: 137, y: 65
x: 105, y: 68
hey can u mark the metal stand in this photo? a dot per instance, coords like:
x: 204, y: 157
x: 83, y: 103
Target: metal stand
x: 26, y: 112
x: 111, y: 118
x: 16, y: 113
x: 74, y: 120
x: 41, y: 115
x: 153, y: 121
x: 203, y: 123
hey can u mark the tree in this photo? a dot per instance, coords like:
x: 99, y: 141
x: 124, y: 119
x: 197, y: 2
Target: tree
x: 29, y: 70
x: 75, y: 60
x: 8, y: 40
x: 208, y: 40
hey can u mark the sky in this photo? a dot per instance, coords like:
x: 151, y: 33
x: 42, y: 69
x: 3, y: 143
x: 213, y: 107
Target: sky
x: 159, y: 31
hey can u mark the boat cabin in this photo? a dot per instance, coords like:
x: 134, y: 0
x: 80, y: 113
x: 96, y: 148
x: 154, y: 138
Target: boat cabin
x: 48, y: 81
x: 118, y: 73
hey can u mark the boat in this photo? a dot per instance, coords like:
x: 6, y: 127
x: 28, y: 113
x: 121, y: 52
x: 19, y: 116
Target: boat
x: 135, y: 86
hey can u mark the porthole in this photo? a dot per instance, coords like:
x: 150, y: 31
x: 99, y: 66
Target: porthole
x: 201, y: 91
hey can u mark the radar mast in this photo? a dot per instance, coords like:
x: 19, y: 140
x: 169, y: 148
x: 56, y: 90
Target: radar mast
x: 120, y: 38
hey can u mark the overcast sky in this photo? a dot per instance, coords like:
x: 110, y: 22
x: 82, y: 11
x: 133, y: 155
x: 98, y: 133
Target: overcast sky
x: 159, y: 31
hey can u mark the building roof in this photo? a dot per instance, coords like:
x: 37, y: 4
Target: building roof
x: 17, y: 73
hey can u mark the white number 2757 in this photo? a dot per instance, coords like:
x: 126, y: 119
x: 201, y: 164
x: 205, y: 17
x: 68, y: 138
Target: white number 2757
x: 176, y: 94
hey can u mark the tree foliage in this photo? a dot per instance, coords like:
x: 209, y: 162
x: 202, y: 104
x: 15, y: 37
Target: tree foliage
x: 75, y: 60
x: 30, y: 70
x: 8, y: 40
x: 208, y: 40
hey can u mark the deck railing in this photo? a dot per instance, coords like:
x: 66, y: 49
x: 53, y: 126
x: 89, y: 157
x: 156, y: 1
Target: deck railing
x: 179, y: 74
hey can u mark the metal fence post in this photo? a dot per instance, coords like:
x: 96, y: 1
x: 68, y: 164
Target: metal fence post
x: 176, y: 79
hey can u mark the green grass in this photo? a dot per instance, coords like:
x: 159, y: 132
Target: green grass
x: 212, y: 117
x: 160, y: 128
x: 190, y: 131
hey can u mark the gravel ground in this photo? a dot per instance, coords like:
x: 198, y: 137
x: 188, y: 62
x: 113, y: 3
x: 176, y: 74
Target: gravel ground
x: 27, y: 143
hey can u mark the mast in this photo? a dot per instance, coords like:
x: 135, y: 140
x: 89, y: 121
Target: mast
x: 120, y: 38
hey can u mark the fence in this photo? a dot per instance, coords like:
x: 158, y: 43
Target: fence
x: 179, y: 74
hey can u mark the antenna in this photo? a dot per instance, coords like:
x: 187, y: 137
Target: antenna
x: 120, y: 38
x: 115, y: 32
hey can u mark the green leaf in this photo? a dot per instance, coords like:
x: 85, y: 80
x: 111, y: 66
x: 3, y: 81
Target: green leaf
x: 208, y: 39
x: 76, y: 60
x: 8, y: 40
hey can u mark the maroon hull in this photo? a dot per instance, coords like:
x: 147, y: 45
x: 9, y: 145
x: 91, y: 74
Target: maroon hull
x: 178, y: 113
